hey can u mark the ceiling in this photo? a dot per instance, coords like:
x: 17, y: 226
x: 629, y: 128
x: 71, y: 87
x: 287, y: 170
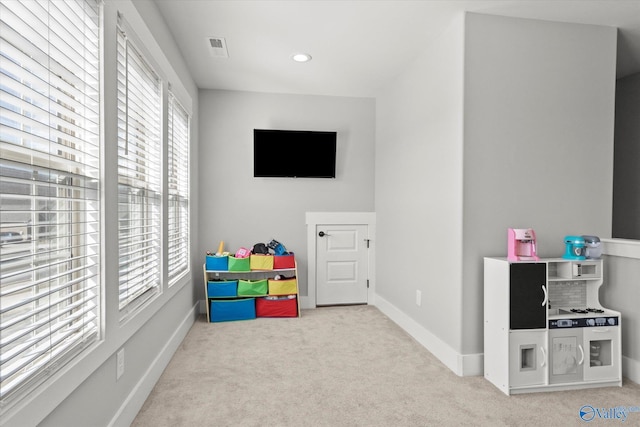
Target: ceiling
x: 357, y: 46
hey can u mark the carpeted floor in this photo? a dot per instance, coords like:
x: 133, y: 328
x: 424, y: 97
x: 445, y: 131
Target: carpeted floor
x: 344, y: 366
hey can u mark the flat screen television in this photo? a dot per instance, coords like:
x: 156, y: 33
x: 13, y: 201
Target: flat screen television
x: 294, y: 154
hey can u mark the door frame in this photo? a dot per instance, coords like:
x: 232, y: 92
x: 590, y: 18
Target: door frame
x: 313, y: 219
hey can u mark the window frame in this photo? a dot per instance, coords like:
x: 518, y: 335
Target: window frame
x: 57, y: 174
x: 178, y: 172
x: 140, y: 177
x: 116, y: 333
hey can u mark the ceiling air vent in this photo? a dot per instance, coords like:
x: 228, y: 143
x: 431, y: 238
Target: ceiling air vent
x: 218, y: 47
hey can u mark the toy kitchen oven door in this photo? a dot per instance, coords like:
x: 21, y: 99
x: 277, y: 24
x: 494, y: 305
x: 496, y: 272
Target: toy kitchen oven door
x: 584, y: 348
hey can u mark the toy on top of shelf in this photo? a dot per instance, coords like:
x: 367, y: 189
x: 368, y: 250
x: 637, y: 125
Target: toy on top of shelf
x: 593, y: 249
x: 277, y: 247
x: 521, y: 244
x: 260, y: 248
x: 575, y: 247
x: 242, y: 253
x: 220, y: 248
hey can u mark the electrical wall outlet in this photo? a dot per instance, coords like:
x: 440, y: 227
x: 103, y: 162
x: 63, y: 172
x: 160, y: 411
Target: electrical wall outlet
x: 418, y: 298
x: 119, y: 363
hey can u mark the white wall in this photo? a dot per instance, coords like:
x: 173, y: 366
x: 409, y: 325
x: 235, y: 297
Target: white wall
x: 621, y: 291
x: 86, y: 392
x: 243, y: 210
x: 419, y: 192
x: 538, y: 149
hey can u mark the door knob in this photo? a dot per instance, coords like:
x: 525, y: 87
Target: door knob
x: 322, y: 234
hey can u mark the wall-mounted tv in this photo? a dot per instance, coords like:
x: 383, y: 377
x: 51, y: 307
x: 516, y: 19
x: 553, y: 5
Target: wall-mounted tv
x: 294, y: 154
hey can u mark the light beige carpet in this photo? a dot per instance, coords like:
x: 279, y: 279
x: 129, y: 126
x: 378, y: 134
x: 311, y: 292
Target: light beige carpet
x: 344, y: 366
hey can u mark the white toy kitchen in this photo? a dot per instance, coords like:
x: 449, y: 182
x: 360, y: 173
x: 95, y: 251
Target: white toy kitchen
x: 544, y: 326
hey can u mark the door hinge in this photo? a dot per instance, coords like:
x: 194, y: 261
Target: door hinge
x: 367, y: 283
x: 367, y: 240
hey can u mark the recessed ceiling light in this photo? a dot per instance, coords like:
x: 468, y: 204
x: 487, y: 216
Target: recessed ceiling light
x: 301, y: 57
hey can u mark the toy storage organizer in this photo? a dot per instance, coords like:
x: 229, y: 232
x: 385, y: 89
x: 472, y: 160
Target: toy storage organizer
x: 246, y: 288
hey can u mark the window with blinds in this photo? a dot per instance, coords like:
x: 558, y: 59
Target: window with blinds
x: 49, y: 187
x: 178, y: 190
x: 139, y: 175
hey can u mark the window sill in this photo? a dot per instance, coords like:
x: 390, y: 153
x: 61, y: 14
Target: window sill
x: 626, y: 248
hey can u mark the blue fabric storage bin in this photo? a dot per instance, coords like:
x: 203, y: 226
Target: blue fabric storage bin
x: 222, y: 288
x: 218, y: 263
x: 233, y: 309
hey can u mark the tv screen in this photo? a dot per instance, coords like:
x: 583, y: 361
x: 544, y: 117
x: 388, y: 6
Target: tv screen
x: 294, y: 153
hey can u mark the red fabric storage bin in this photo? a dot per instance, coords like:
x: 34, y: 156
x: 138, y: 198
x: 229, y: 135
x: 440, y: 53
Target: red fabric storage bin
x: 283, y: 261
x: 277, y: 306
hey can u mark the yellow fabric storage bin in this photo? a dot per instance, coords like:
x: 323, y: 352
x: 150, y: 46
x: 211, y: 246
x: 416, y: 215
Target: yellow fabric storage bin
x: 283, y: 286
x: 261, y: 262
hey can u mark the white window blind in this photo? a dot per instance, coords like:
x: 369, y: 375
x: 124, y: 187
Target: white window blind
x: 139, y: 175
x: 49, y: 187
x: 178, y: 215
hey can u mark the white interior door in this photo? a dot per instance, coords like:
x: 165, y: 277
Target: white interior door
x: 342, y: 264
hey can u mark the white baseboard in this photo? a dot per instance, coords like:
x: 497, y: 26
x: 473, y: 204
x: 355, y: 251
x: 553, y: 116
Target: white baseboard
x: 471, y: 364
x: 631, y: 369
x: 465, y: 364
x: 306, y: 302
x: 460, y: 364
x: 134, y: 401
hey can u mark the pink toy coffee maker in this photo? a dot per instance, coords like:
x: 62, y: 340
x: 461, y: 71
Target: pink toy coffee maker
x: 521, y: 244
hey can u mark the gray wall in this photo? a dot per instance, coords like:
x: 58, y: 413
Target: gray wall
x: 419, y: 188
x: 626, y: 178
x: 243, y: 210
x: 453, y: 170
x: 535, y: 150
x: 101, y: 399
x: 86, y: 392
x: 539, y: 123
x: 620, y: 290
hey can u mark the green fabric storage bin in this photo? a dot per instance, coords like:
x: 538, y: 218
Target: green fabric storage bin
x: 239, y: 264
x: 248, y: 288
